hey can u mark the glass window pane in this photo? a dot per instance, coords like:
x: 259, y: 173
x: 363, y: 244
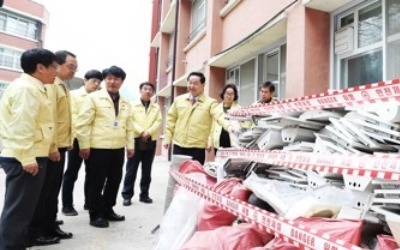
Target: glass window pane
x: 12, y: 24
x: 393, y: 57
x: 349, y: 19
x: 32, y: 29
x: 393, y: 14
x: 8, y: 61
x: 282, y: 83
x: 272, y: 70
x: 366, y: 68
x: 22, y: 28
x: 247, y: 83
x: 2, y: 21
x: 272, y: 67
x: 370, y: 25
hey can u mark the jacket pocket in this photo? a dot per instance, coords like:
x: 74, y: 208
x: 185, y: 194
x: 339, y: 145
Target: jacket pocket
x: 45, y: 133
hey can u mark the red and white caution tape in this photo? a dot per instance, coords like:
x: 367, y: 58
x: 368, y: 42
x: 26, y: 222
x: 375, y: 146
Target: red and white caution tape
x: 360, y: 95
x: 290, y: 231
x: 384, y: 166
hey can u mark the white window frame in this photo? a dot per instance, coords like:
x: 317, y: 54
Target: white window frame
x: 336, y: 17
x: 197, y: 19
x: 25, y: 27
x: 10, y: 52
x: 237, y: 68
x: 277, y: 84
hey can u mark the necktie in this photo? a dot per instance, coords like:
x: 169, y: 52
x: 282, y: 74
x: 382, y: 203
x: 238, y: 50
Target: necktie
x: 193, y: 101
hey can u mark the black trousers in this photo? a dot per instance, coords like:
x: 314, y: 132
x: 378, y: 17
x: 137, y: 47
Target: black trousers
x: 198, y: 154
x: 105, y: 173
x: 44, y: 218
x: 146, y: 157
x: 71, y: 175
x: 22, y: 194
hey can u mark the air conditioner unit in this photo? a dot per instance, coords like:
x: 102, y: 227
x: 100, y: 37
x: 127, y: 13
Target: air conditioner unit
x: 344, y: 40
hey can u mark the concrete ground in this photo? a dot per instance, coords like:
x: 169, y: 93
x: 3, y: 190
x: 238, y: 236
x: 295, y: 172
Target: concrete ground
x: 133, y: 233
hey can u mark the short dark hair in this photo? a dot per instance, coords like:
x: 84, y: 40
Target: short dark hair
x: 230, y: 86
x: 62, y: 56
x: 115, y: 71
x: 269, y: 85
x: 31, y: 58
x: 93, y: 73
x: 147, y: 84
x: 199, y: 74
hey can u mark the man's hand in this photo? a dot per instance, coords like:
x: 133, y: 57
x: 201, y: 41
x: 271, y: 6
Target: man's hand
x: 166, y: 146
x: 208, y: 149
x: 55, y: 156
x: 84, y: 153
x: 32, y: 168
x: 145, y: 135
x: 130, y: 153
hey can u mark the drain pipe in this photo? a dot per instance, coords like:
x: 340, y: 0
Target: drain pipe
x: 173, y: 72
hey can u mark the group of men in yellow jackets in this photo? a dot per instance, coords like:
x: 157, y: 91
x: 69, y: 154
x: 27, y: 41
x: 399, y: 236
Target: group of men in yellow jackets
x: 41, y: 121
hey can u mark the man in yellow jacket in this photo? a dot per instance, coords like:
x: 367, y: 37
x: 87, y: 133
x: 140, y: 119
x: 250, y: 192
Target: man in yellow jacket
x: 103, y: 129
x: 26, y: 130
x: 44, y: 223
x: 190, y: 118
x: 92, y: 80
x: 147, y: 122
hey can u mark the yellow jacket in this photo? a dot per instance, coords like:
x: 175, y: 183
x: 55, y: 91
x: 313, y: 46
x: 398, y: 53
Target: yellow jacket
x: 97, y: 126
x: 26, y: 124
x: 61, y: 104
x: 146, y: 121
x: 190, y: 126
x: 77, y: 97
x: 217, y: 129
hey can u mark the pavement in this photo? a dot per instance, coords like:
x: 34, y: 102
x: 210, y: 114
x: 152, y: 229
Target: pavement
x: 133, y: 233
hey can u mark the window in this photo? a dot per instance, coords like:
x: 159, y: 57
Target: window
x: 249, y: 75
x: 198, y: 18
x: 363, y: 60
x: 370, y: 25
x: 247, y: 83
x: 19, y: 26
x: 375, y: 53
x: 393, y: 38
x: 362, y: 69
x: 275, y: 70
x: 10, y: 58
x: 244, y: 78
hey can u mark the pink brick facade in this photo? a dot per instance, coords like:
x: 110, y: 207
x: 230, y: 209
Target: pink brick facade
x: 25, y: 10
x: 288, y: 42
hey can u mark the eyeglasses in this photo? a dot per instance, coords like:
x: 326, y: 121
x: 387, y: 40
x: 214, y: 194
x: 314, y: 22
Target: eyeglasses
x: 73, y: 67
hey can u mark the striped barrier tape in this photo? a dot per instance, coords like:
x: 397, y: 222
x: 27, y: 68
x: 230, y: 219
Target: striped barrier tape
x: 371, y: 93
x: 293, y: 232
x: 383, y: 166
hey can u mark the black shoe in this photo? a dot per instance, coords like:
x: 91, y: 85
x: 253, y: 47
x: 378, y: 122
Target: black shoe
x: 99, y: 222
x: 146, y: 199
x: 60, y: 234
x: 69, y: 211
x: 45, y: 240
x: 127, y: 202
x: 112, y: 216
x: 59, y: 222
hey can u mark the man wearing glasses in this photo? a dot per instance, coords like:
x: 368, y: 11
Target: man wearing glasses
x: 44, y: 227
